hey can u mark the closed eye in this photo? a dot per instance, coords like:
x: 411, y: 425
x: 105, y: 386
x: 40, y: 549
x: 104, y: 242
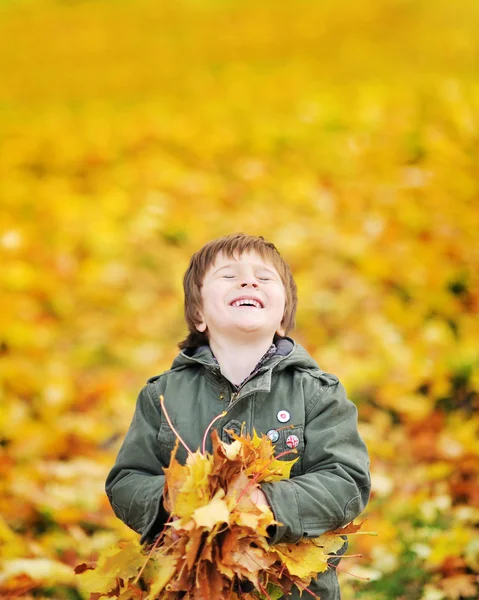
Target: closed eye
x: 265, y: 275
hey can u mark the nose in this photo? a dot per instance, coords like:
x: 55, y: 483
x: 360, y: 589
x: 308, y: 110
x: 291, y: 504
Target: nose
x: 248, y: 279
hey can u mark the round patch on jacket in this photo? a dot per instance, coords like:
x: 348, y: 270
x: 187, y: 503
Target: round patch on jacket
x: 292, y: 441
x: 273, y: 435
x: 283, y: 416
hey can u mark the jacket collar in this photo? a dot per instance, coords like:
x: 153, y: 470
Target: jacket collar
x: 203, y: 356
x: 259, y: 380
x: 288, y: 353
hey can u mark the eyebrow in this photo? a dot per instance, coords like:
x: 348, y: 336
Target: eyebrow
x: 233, y: 264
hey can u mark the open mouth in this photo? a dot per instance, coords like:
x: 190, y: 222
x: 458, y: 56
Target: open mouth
x: 248, y: 302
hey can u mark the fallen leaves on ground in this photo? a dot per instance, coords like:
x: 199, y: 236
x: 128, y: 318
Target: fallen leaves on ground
x: 208, y: 118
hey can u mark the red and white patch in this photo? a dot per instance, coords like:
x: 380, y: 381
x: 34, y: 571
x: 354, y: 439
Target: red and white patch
x: 283, y: 416
x: 292, y: 441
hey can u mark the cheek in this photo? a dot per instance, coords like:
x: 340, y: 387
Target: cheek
x: 280, y: 308
x: 211, y: 306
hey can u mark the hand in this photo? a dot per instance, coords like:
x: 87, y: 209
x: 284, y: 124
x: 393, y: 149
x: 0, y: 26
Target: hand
x: 257, y: 497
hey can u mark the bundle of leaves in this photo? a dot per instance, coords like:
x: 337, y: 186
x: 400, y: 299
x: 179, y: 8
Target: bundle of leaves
x: 218, y: 543
x: 215, y: 544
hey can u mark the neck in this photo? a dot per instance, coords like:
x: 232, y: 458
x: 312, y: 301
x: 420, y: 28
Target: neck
x: 237, y: 360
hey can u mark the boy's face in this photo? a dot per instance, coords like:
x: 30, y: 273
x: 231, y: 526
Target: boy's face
x: 242, y: 295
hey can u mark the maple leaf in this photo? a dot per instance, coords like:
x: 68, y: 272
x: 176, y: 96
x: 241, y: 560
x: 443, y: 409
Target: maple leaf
x: 248, y: 558
x: 260, y: 459
x: 213, y: 513
x: 330, y: 542
x: 348, y: 529
x: 187, y: 485
x: 115, y: 566
x: 160, y: 573
x: 232, y: 451
x: 279, y: 469
x: 303, y: 559
x: 218, y: 535
x: 461, y: 585
x: 246, y: 519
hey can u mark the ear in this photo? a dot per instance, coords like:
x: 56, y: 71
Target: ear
x: 201, y: 326
x: 281, y: 331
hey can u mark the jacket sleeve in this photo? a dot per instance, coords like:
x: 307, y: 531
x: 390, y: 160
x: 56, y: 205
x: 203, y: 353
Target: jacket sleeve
x: 135, y: 484
x: 335, y: 483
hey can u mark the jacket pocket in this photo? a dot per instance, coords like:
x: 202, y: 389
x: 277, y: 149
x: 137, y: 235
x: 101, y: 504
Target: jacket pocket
x: 166, y: 442
x: 291, y: 439
x: 232, y: 426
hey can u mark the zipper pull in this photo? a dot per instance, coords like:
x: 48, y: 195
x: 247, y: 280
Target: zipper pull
x: 233, y: 397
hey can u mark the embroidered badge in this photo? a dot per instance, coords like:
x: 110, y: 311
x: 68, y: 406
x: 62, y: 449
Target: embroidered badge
x: 292, y: 441
x: 283, y: 416
x: 273, y: 435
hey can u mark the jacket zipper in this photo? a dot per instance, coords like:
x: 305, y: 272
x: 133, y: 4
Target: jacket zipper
x: 233, y: 397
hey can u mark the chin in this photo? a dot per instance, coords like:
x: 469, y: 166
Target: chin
x: 255, y: 331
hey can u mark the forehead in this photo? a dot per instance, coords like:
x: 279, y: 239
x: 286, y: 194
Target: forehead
x: 248, y: 257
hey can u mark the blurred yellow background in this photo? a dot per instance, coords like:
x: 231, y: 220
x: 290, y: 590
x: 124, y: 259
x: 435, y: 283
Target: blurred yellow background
x: 347, y: 133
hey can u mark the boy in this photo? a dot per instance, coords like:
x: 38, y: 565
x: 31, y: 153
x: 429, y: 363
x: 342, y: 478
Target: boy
x: 240, y: 302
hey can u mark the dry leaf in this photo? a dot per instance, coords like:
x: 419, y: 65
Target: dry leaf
x: 218, y: 536
x: 460, y: 586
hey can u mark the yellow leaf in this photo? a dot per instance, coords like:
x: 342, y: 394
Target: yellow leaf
x: 13, y: 545
x: 329, y: 542
x: 461, y: 585
x: 216, y: 511
x: 247, y: 520
x: 39, y: 569
x: 279, y: 469
x: 257, y: 441
x: 160, y: 573
x: 303, y: 559
x: 123, y: 561
x: 194, y: 490
x: 232, y: 450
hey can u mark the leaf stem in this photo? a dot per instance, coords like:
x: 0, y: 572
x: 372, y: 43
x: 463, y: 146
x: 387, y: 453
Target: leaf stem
x: 338, y: 568
x: 285, y: 427
x: 305, y: 589
x: 157, y: 541
x: 162, y: 402
x: 254, y: 479
x: 263, y: 591
x: 203, y: 445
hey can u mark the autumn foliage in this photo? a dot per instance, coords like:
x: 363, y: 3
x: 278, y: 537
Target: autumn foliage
x: 215, y: 546
x: 345, y: 132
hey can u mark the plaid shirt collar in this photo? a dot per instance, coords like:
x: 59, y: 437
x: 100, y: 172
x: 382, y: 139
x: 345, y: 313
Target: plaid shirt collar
x: 270, y: 352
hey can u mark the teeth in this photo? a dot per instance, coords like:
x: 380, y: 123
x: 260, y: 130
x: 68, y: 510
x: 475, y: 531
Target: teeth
x: 246, y: 302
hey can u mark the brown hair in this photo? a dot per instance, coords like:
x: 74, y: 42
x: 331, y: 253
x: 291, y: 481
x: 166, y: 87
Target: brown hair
x: 231, y: 246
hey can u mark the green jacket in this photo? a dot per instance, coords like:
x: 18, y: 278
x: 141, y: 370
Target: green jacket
x: 329, y: 484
